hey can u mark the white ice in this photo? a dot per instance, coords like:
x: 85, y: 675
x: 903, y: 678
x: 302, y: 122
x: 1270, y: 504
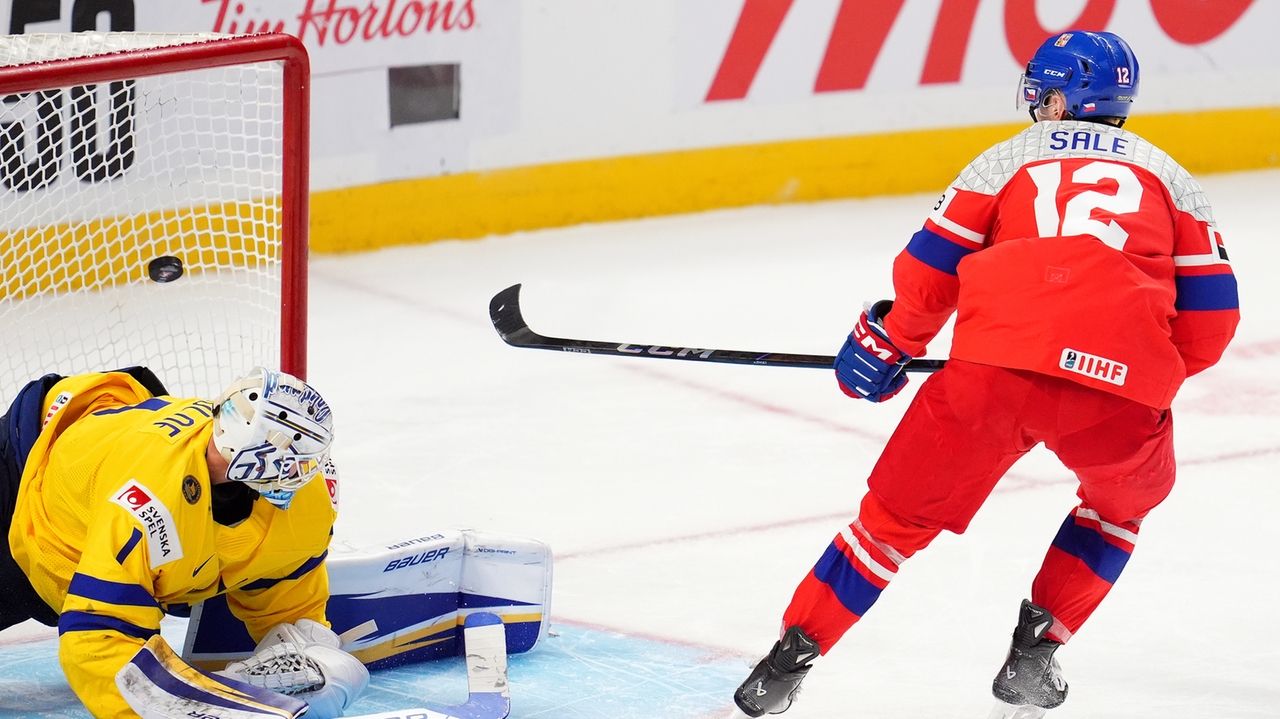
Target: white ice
x: 684, y: 501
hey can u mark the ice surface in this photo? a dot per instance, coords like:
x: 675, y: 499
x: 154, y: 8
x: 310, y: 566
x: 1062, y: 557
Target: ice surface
x: 684, y: 501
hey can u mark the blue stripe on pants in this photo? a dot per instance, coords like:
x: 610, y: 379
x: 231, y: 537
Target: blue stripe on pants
x: 1086, y: 544
x: 851, y: 588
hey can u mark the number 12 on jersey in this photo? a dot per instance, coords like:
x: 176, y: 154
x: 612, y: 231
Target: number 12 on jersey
x: 1076, y: 217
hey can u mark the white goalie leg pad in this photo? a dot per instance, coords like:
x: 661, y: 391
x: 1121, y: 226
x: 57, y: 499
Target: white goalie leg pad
x: 303, y: 660
x: 157, y: 684
x: 377, y: 600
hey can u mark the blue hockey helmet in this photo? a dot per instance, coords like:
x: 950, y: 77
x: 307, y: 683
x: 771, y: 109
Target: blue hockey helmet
x: 1096, y: 72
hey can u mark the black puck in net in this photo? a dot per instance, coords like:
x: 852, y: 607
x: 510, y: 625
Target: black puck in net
x: 165, y: 268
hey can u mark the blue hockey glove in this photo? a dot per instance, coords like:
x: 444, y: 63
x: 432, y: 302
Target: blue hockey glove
x: 869, y: 366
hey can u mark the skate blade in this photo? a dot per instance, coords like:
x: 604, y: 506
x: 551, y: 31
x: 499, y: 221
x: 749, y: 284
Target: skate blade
x: 1016, y: 711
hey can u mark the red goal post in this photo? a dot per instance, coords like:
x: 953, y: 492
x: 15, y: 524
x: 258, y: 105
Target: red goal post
x: 118, y: 148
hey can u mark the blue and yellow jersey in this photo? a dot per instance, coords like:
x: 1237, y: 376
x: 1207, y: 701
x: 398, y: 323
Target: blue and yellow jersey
x: 114, y: 525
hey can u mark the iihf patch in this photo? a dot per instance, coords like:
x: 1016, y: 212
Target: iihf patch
x: 1107, y: 370
x: 190, y: 489
x: 1062, y: 40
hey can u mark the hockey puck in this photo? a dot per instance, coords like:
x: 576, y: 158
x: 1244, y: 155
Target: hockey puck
x: 165, y: 268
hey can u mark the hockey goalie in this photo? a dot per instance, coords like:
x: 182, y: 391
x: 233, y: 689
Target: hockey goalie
x: 122, y: 503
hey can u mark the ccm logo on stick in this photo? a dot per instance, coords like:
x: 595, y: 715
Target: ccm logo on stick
x: 1093, y: 366
x: 660, y: 351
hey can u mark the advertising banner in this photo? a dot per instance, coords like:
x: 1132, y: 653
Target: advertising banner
x: 473, y: 94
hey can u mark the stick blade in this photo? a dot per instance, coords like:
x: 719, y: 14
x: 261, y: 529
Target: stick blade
x: 485, y: 641
x: 504, y: 312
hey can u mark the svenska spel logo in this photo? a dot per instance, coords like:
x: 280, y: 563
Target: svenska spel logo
x: 163, y: 543
x: 133, y: 496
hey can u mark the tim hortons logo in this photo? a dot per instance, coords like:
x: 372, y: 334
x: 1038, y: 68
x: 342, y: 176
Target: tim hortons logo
x: 322, y: 22
x: 860, y: 30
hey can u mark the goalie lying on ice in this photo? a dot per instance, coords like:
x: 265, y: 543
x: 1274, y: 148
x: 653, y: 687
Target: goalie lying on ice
x: 121, y: 503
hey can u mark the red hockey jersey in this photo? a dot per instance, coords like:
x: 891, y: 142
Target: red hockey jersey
x: 1077, y: 250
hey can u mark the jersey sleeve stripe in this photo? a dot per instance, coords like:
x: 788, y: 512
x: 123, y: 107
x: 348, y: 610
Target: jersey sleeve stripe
x: 151, y: 405
x: 1206, y: 292
x: 128, y: 546
x: 1211, y: 258
x: 89, y: 622
x: 306, y: 566
x: 937, y: 251
x: 101, y: 590
x: 950, y: 225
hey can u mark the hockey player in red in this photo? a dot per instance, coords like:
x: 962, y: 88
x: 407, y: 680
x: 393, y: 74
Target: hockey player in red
x: 1088, y: 281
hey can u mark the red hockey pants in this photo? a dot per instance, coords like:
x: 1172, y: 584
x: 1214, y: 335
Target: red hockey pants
x: 966, y: 426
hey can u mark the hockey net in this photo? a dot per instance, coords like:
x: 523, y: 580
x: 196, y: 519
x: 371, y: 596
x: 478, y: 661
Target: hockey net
x: 117, y: 149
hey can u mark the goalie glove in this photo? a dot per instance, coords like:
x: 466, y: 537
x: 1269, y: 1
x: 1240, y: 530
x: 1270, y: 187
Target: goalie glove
x: 304, y: 660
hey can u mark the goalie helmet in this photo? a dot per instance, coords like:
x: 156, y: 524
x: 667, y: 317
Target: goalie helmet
x: 1096, y: 72
x: 274, y: 430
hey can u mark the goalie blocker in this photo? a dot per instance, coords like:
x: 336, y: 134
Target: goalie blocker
x: 406, y: 602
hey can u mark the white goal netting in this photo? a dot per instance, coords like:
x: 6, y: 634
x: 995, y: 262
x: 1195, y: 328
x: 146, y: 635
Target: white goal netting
x: 98, y: 180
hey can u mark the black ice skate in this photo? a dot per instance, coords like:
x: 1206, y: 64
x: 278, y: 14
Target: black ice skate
x: 1031, y: 676
x: 773, y: 683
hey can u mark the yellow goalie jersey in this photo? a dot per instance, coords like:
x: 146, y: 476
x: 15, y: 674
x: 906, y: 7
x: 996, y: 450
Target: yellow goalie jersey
x: 114, y: 526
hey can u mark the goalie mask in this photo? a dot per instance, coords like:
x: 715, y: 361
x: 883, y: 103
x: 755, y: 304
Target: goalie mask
x: 274, y: 430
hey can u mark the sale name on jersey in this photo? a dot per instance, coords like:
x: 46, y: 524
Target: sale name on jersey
x: 1084, y: 140
x: 1093, y: 366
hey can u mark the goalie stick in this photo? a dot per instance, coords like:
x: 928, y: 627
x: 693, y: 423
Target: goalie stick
x: 485, y: 644
x: 504, y: 312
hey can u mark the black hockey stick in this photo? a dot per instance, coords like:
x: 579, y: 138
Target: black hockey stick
x: 504, y: 311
